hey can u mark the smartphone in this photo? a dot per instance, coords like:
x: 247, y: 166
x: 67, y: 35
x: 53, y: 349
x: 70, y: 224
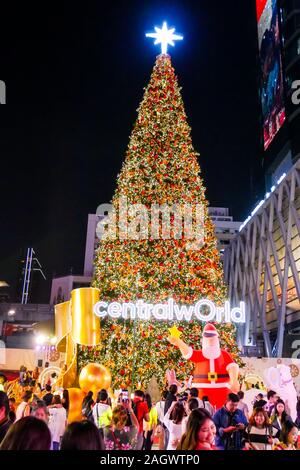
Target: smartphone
x: 125, y: 396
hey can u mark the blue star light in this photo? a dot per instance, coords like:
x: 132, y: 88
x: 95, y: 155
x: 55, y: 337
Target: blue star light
x: 164, y: 36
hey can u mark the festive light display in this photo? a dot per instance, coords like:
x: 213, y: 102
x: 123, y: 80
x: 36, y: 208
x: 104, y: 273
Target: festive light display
x: 204, y: 310
x: 164, y: 36
x: 160, y: 167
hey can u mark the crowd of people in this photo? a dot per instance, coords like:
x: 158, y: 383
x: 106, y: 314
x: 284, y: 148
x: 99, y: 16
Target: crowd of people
x: 178, y: 421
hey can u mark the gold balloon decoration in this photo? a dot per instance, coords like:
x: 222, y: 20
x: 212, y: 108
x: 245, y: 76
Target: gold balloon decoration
x: 93, y: 377
x: 76, y: 397
x: 76, y: 323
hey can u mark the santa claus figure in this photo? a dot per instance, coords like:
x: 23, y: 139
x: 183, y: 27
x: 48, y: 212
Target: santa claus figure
x: 215, y: 374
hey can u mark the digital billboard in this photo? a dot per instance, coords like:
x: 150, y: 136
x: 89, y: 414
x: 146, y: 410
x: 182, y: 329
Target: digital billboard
x: 271, y: 75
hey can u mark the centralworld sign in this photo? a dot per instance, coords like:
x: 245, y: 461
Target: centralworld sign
x: 204, y: 310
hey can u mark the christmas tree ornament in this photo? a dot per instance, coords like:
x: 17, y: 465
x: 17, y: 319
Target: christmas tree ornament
x: 94, y: 377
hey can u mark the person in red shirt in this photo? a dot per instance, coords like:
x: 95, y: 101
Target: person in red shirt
x: 141, y: 411
x: 215, y: 373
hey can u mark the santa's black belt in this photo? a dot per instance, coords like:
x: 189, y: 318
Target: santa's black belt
x: 211, y: 376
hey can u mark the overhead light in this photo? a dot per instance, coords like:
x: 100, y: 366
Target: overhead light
x: 4, y: 284
x: 11, y: 313
x: 41, y: 339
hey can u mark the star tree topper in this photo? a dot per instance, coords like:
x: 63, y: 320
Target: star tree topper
x: 175, y: 333
x: 164, y: 36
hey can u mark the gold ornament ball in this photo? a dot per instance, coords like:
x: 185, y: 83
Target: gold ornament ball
x: 94, y: 377
x: 76, y: 397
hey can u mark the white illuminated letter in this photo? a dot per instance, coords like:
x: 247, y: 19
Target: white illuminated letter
x: 163, y: 315
x: 227, y: 312
x: 183, y: 312
x: 171, y: 309
x: 97, y: 309
x: 238, y: 314
x: 219, y: 314
x: 211, y: 314
x: 148, y: 308
x: 140, y: 306
x: 132, y: 314
x: 114, y: 310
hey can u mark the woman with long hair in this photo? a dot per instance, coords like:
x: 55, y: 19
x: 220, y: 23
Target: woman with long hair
x: 27, y: 433
x: 260, y: 434
x: 123, y: 430
x: 173, y: 422
x: 280, y: 416
x: 87, y: 406
x: 288, y: 437
x: 200, y: 432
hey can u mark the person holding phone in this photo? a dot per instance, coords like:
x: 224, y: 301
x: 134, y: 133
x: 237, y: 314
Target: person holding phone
x: 119, y: 435
x: 230, y: 423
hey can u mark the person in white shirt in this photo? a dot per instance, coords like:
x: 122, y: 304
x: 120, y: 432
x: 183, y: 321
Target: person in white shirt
x: 208, y: 406
x: 242, y: 405
x: 24, y: 407
x: 102, y: 412
x: 57, y: 422
x: 160, y: 406
x: 173, y: 422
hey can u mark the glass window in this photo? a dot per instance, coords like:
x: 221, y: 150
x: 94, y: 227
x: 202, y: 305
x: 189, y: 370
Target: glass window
x: 297, y: 4
x: 289, y: 28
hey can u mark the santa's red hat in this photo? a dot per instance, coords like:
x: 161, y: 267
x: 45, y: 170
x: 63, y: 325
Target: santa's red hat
x: 209, y: 331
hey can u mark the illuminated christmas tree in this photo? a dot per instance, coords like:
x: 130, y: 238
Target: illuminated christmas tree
x: 160, y: 167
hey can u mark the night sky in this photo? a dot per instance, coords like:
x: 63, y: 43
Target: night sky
x: 75, y: 77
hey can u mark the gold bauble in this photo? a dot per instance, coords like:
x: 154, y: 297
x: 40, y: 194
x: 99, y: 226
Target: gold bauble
x: 94, y: 377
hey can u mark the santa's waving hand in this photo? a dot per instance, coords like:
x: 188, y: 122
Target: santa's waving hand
x: 215, y: 373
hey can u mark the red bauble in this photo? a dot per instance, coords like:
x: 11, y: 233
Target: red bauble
x: 122, y: 372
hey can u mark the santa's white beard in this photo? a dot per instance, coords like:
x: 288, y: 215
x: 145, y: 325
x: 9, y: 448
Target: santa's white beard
x: 211, y: 352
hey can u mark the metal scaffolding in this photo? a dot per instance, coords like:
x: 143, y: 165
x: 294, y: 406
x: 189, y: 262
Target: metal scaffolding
x: 32, y: 264
x: 262, y: 266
